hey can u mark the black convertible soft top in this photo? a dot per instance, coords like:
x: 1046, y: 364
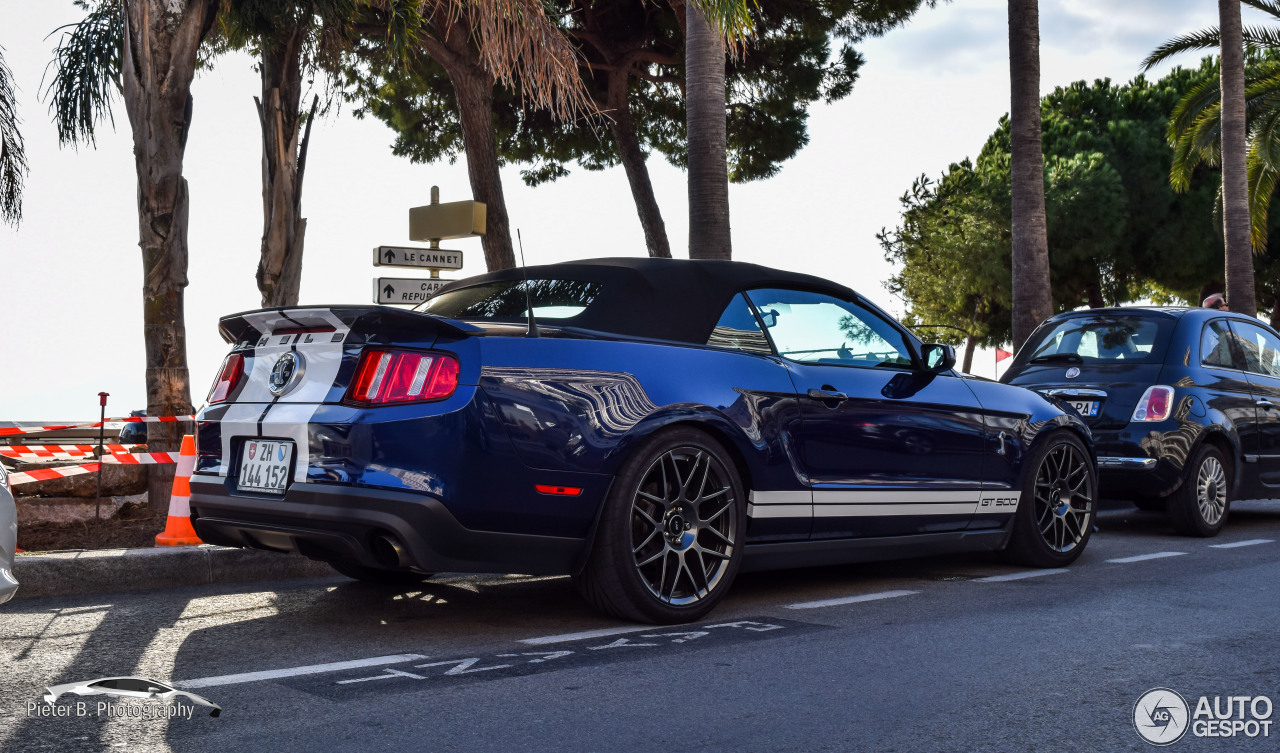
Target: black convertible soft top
x: 664, y: 299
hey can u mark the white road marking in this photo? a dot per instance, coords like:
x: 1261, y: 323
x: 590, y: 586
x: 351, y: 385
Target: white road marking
x: 1234, y: 544
x: 1142, y: 557
x: 583, y: 636
x: 850, y: 600
x: 1020, y: 575
x: 273, y: 674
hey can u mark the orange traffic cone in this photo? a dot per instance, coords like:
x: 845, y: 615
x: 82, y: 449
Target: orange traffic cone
x: 177, y: 529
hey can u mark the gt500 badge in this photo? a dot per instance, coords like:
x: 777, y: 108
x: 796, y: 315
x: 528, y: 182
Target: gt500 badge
x: 1001, y: 502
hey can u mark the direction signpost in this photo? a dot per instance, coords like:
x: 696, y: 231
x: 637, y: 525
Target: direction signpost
x: 405, y: 290
x: 434, y: 222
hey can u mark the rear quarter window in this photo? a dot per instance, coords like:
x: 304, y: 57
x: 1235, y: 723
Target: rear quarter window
x: 509, y: 300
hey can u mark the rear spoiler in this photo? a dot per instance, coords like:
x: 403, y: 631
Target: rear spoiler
x: 251, y: 325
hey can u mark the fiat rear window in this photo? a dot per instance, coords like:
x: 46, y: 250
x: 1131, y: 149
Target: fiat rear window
x: 1101, y: 339
x: 508, y: 300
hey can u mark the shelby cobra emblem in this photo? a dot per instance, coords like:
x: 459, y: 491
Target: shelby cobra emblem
x: 285, y: 373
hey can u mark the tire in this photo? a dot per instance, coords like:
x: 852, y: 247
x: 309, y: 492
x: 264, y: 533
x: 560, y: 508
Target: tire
x: 379, y: 577
x: 1054, y: 520
x: 1201, y: 504
x: 670, y: 538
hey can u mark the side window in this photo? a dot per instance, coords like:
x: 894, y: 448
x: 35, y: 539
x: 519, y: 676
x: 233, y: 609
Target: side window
x: 1215, y: 346
x: 1261, y: 348
x: 818, y: 328
x: 738, y: 329
x: 107, y: 685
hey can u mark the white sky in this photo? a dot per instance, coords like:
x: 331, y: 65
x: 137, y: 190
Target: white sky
x: 70, y: 276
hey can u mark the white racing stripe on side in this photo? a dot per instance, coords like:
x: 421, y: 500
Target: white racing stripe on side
x: 855, y: 503
x: 1020, y: 576
x: 275, y: 674
x: 866, y: 511
x: 1144, y: 557
x: 850, y: 600
x: 780, y: 504
x: 1235, y: 544
x: 780, y: 511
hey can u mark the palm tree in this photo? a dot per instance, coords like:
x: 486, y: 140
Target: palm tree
x: 1201, y: 128
x: 13, y: 155
x: 146, y: 50
x: 707, y: 26
x: 291, y: 38
x: 1032, y: 297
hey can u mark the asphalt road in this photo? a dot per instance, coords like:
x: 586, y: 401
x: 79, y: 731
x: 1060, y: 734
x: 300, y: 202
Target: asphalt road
x: 941, y: 654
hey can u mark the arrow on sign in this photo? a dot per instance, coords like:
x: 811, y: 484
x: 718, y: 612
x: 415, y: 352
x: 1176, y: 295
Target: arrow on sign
x: 390, y: 256
x: 389, y: 291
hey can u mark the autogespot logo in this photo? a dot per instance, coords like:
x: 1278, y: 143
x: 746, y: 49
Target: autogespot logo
x: 1160, y: 716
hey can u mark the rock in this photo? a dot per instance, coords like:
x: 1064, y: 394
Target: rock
x: 67, y: 509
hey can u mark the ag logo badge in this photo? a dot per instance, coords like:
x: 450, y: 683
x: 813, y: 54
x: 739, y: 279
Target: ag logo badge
x: 285, y: 374
x: 1160, y: 716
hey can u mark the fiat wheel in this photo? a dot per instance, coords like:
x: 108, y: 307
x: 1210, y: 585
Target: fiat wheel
x: 1054, y: 519
x: 1201, y: 504
x: 669, y: 542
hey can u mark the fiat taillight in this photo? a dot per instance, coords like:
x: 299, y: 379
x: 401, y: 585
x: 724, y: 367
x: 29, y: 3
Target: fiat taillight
x: 1156, y: 404
x: 402, y: 376
x: 228, y: 378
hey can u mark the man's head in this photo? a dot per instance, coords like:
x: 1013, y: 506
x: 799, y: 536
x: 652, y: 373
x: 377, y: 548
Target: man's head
x: 1215, y: 301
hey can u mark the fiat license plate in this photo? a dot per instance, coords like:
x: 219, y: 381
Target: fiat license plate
x: 264, y: 465
x: 1086, y: 408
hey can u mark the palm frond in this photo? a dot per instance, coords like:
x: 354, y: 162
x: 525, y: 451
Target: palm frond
x: 1270, y: 7
x: 1261, y: 38
x: 86, y: 72
x: 732, y: 18
x: 13, y: 155
x: 1262, y: 185
x: 1202, y: 96
x: 1204, y: 39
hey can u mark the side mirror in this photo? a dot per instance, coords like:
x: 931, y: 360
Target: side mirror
x: 938, y: 357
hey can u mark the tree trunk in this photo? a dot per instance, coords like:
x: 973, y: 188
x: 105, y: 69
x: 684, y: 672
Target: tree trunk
x: 970, y: 345
x: 1275, y: 311
x: 1032, y: 300
x: 1094, y: 294
x: 709, y: 235
x: 633, y: 161
x: 159, y: 59
x: 474, y: 88
x: 283, y: 229
x: 1235, y: 183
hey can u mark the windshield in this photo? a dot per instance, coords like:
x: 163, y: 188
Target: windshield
x: 1100, y: 339
x: 506, y: 299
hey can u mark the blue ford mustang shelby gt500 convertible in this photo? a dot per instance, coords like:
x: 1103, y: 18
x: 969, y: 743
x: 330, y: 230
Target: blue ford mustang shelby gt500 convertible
x: 655, y: 427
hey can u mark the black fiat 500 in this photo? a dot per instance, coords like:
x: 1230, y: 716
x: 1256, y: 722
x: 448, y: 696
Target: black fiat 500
x: 1183, y: 403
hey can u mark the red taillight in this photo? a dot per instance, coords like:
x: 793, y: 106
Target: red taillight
x: 402, y: 376
x: 1155, y: 405
x: 228, y: 378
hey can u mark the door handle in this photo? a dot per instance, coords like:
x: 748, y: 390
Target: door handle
x: 824, y: 394
x: 1265, y: 403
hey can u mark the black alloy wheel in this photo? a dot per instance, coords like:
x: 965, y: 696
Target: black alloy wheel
x: 669, y: 542
x: 1054, y: 519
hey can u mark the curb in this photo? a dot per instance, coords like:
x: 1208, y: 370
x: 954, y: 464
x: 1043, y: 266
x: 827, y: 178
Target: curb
x: 85, y: 571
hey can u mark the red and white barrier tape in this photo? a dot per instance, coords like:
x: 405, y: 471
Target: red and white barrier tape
x: 48, y: 474
x: 140, y: 458
x: 59, y: 451
x: 36, y: 429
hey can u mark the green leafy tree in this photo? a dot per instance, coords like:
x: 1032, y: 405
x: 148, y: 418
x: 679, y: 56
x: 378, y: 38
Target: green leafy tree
x: 1116, y: 229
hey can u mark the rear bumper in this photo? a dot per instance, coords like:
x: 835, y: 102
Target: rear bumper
x: 330, y: 522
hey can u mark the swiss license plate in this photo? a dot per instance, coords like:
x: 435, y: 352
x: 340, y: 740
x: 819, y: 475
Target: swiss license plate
x: 264, y: 465
x: 1086, y: 408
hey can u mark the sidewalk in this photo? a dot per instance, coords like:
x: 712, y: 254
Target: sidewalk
x: 85, y: 571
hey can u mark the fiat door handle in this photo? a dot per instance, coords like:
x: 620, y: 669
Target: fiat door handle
x: 826, y: 395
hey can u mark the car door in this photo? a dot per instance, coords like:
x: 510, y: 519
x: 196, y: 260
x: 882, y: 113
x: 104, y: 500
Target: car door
x: 1260, y: 347
x: 889, y: 448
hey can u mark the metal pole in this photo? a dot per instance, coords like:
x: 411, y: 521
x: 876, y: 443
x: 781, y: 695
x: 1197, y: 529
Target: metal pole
x: 102, y: 425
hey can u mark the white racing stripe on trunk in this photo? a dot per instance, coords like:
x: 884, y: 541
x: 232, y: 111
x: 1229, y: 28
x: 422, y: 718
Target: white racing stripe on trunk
x: 291, y: 421
x: 239, y: 420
